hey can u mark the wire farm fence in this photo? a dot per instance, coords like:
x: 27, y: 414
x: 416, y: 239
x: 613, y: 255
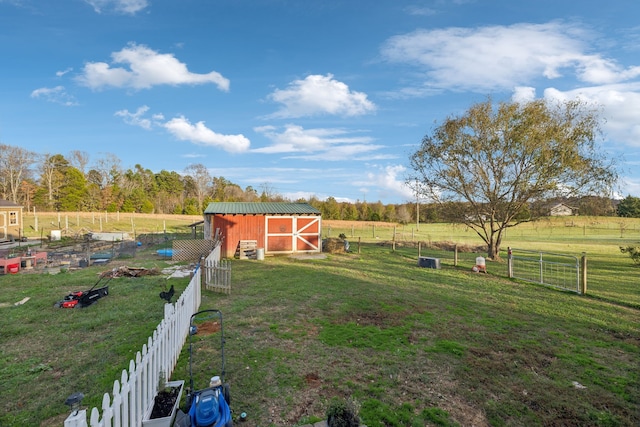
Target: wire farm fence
x: 550, y: 269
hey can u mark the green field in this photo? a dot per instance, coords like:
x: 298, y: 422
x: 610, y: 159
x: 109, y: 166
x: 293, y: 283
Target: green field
x: 40, y: 224
x: 611, y: 274
x: 410, y: 346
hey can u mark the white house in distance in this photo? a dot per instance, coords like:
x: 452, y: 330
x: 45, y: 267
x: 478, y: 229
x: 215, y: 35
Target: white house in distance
x: 560, y: 209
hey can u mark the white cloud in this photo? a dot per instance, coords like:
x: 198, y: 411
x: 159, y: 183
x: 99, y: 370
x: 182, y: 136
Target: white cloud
x: 316, y: 144
x: 420, y: 11
x: 137, y: 118
x: 184, y: 130
x: 389, y: 181
x: 620, y: 104
x: 146, y: 68
x: 128, y: 7
x: 596, y: 70
x: 630, y: 186
x: 502, y: 57
x: 317, y: 95
x: 57, y: 95
x: 522, y: 94
x: 63, y: 72
x: 198, y: 133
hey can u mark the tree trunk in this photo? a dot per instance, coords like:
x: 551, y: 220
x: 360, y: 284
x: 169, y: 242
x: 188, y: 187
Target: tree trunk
x: 493, y: 251
x: 493, y: 247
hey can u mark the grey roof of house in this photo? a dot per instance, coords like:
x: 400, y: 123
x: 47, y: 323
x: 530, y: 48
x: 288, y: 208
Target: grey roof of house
x: 260, y: 208
x: 8, y: 204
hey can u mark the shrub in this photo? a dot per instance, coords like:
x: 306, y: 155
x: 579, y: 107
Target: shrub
x: 342, y: 414
x: 633, y: 251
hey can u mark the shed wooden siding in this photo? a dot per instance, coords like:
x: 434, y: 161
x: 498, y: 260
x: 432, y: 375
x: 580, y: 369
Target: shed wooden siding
x: 274, y: 233
x: 10, y: 221
x: 234, y: 228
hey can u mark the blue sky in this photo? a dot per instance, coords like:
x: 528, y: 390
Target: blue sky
x: 307, y: 97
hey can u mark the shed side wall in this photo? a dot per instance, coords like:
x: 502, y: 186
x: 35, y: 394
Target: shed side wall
x: 235, y: 228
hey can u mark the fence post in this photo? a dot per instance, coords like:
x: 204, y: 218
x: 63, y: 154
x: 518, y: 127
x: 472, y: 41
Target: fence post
x: 541, y: 269
x: 455, y: 255
x: 509, y: 263
x: 583, y: 276
x: 77, y: 419
x: 359, y: 238
x: 203, y: 268
x: 419, y: 248
x: 394, y: 238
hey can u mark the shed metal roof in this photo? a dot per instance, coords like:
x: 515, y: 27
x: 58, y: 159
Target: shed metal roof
x: 260, y: 208
x: 9, y: 204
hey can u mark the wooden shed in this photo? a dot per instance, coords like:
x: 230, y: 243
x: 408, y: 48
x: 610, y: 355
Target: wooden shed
x: 10, y: 221
x: 276, y: 228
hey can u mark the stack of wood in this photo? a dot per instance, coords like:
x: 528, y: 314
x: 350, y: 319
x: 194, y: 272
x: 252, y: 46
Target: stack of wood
x: 247, y: 249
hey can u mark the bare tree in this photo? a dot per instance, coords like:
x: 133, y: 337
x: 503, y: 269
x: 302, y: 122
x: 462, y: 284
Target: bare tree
x: 51, y: 174
x: 269, y: 193
x: 79, y: 159
x: 109, y: 169
x: 15, y: 164
x: 201, y: 180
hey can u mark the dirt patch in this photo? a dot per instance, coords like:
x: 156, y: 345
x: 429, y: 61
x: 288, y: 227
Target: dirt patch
x: 312, y: 380
x: 208, y: 328
x: 376, y: 318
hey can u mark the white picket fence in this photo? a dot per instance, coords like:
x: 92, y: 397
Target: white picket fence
x: 133, y: 394
x: 217, y: 272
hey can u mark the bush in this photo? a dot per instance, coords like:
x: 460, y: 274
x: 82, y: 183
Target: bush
x: 633, y: 251
x: 342, y: 414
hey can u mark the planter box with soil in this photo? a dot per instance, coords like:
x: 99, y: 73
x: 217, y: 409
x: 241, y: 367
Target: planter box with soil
x: 165, y: 405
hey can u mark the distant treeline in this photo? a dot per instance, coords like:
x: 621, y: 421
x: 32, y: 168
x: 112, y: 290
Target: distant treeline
x: 73, y: 183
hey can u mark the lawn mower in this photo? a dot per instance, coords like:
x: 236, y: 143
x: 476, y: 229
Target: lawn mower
x: 207, y: 407
x: 81, y: 299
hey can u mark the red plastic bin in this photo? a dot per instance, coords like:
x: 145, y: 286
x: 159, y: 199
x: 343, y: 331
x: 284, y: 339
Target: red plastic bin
x: 13, y: 268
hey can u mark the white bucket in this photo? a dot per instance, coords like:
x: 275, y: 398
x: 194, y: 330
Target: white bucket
x: 260, y: 254
x: 480, y: 261
x: 56, y: 235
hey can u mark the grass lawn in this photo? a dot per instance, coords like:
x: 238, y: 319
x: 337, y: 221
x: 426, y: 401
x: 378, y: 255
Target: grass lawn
x: 409, y: 346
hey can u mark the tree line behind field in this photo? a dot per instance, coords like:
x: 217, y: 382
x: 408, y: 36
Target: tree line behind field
x: 67, y: 184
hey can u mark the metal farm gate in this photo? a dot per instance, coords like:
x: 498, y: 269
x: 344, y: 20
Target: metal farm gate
x: 556, y: 270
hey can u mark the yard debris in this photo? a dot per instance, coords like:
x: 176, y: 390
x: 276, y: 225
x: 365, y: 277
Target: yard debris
x: 178, y: 271
x: 576, y: 384
x: 22, y: 301
x: 124, y: 271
